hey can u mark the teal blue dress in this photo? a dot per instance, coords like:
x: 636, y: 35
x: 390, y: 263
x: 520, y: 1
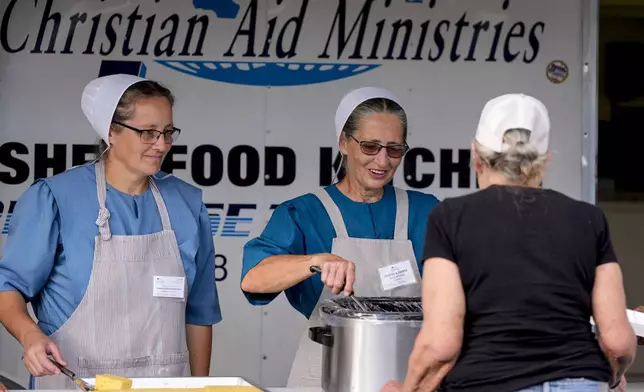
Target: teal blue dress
x: 301, y: 226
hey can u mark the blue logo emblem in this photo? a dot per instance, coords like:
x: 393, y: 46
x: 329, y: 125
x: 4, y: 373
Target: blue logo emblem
x: 267, y: 74
x: 224, y: 9
x: 260, y: 73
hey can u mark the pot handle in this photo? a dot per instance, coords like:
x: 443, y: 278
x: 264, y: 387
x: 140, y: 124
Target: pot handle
x: 321, y: 335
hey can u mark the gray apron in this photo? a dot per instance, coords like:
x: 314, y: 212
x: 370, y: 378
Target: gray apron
x: 120, y: 327
x: 369, y: 255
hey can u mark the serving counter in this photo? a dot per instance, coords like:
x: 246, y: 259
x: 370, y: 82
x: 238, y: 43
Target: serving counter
x: 295, y: 390
x: 192, y: 384
x: 267, y: 389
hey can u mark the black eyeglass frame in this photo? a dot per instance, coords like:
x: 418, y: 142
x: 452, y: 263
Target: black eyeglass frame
x: 389, y: 147
x: 158, y: 133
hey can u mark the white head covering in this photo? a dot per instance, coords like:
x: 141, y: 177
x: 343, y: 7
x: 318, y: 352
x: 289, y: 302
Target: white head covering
x: 513, y: 111
x: 100, y: 98
x: 352, y: 100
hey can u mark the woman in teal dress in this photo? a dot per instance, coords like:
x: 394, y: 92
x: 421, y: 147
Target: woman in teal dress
x: 351, y: 230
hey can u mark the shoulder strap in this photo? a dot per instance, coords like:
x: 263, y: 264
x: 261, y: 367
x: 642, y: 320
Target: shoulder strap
x: 333, y: 211
x: 402, y: 214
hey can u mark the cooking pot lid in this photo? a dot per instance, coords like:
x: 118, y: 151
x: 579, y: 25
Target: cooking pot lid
x: 378, y: 308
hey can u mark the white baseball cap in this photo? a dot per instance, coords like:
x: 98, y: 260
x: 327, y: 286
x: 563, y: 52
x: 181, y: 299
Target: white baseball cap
x: 100, y: 98
x: 352, y: 100
x: 512, y: 111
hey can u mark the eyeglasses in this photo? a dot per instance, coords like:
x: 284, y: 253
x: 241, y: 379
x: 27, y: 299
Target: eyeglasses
x: 150, y: 136
x: 373, y: 148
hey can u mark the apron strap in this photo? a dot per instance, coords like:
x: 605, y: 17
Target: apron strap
x: 402, y: 214
x: 163, y: 210
x: 334, y: 213
x: 103, y: 219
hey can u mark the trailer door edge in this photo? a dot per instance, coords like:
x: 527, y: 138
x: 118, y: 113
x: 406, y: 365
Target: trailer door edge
x: 589, y: 110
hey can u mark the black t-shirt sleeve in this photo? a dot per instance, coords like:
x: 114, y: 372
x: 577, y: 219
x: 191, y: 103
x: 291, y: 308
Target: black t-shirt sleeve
x: 605, y: 251
x: 437, y: 236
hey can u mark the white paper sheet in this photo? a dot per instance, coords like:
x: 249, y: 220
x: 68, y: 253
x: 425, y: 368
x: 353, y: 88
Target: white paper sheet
x: 182, y: 382
x: 635, y: 318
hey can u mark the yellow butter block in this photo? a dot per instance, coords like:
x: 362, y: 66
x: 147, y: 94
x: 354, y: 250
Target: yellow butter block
x: 108, y: 382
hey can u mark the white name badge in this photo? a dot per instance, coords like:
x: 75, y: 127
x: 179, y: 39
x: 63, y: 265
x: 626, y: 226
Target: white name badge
x: 397, y: 275
x: 168, y: 286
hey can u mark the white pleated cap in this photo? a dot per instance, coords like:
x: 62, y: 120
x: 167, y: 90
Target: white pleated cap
x: 100, y: 98
x: 352, y: 100
x: 512, y: 111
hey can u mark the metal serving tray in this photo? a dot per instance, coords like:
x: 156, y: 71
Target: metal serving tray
x: 185, y: 382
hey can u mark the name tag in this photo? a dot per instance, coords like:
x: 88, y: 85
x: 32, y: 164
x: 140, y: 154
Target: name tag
x: 397, y: 275
x: 168, y: 287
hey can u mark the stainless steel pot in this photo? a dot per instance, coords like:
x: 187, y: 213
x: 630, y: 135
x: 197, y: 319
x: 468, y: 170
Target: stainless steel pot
x: 362, y: 351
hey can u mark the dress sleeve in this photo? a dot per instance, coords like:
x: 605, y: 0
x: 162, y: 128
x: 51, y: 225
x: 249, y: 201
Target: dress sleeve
x: 281, y: 236
x: 33, y: 238
x: 203, y: 306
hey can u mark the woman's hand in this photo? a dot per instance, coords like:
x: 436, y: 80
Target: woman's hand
x: 338, y: 274
x: 3, y: 388
x: 37, y: 348
x: 621, y: 387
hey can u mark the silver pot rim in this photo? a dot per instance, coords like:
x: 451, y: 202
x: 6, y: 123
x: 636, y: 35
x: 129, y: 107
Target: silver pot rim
x: 344, y: 308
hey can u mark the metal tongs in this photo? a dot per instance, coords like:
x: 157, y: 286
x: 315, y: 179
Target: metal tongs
x: 81, y: 384
x: 315, y: 269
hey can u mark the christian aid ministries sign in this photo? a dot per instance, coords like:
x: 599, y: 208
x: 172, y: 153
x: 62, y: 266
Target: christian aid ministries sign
x: 267, y: 43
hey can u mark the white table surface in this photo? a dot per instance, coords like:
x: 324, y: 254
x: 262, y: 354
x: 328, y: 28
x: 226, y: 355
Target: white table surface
x: 295, y: 389
x: 269, y: 389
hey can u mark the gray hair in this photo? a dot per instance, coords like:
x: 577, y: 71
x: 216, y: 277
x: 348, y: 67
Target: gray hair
x: 371, y: 106
x: 125, y: 108
x: 374, y: 106
x: 520, y: 163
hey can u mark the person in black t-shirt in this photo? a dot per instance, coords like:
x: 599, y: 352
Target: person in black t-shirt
x: 513, y: 273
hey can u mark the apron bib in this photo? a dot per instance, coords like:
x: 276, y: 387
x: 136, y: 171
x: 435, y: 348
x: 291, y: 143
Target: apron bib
x: 369, y: 255
x: 127, y: 324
